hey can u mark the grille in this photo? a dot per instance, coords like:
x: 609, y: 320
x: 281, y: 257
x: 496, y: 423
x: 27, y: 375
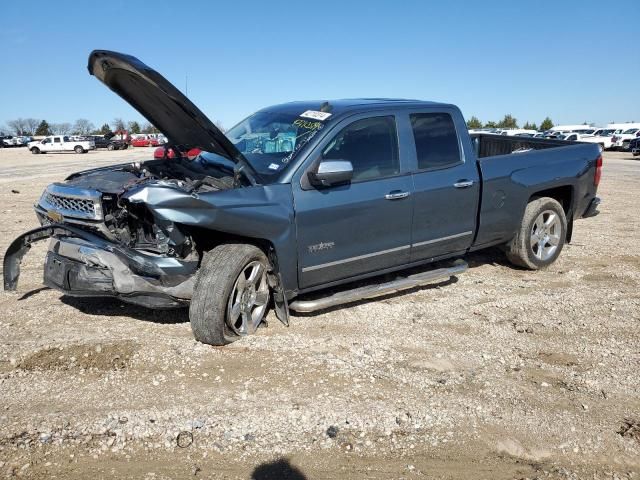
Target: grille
x: 83, y: 206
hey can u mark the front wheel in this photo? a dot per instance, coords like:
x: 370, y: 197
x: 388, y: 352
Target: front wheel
x: 539, y: 241
x: 35, y: 150
x: 110, y: 147
x: 231, y: 294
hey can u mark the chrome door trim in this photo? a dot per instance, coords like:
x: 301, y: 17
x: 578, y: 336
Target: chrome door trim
x: 442, y: 239
x: 383, y: 252
x: 353, y: 259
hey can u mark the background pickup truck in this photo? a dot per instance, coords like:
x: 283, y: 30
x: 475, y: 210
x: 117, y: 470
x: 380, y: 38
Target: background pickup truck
x: 61, y: 143
x: 297, y: 198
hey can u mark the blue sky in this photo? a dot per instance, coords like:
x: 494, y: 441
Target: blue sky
x: 575, y: 61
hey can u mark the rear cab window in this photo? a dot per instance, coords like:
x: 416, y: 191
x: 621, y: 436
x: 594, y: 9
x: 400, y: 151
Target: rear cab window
x: 436, y: 140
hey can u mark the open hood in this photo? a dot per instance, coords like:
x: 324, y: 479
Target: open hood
x: 161, y: 103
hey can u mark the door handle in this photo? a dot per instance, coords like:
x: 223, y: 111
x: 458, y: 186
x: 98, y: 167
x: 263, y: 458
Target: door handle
x: 396, y: 195
x: 463, y: 184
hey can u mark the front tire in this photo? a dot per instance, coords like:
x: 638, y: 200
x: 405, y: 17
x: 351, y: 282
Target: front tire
x: 35, y: 150
x: 110, y: 147
x: 231, y: 294
x: 541, y: 236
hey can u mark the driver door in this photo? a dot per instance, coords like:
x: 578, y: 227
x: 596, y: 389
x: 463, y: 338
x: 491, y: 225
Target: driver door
x: 45, y: 145
x: 364, y: 226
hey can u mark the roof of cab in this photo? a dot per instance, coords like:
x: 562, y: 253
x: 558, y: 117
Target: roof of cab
x: 349, y: 105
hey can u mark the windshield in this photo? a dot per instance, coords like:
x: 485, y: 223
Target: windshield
x: 269, y: 140
x: 630, y: 131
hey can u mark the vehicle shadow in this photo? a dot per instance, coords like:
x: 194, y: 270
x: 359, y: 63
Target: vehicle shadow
x: 112, y: 307
x: 280, y: 469
x: 490, y: 256
x: 33, y: 292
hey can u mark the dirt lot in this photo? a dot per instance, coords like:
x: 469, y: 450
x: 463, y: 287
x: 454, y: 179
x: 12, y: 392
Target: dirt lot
x: 503, y: 374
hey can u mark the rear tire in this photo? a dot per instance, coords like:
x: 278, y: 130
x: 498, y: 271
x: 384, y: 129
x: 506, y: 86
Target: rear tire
x: 79, y: 149
x: 35, y: 150
x: 224, y: 307
x: 541, y: 236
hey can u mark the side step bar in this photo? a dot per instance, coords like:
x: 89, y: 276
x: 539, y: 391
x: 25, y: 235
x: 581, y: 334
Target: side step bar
x: 370, y: 291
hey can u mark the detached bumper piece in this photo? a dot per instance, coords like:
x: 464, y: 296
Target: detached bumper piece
x: 592, y: 209
x: 64, y: 274
x: 82, y: 264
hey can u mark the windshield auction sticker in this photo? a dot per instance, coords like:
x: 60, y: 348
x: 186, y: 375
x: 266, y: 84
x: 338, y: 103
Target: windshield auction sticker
x: 315, y: 115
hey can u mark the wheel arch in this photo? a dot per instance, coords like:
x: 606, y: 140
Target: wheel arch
x: 564, y: 195
x: 207, y: 239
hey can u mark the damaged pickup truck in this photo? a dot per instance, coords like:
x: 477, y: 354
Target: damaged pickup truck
x: 298, y: 198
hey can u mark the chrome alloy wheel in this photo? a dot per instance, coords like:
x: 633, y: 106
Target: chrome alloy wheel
x: 545, y: 235
x: 248, y: 300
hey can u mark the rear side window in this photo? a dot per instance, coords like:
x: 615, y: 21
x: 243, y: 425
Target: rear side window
x: 436, y: 140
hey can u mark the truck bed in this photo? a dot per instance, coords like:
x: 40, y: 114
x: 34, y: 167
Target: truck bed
x: 515, y: 169
x: 488, y: 145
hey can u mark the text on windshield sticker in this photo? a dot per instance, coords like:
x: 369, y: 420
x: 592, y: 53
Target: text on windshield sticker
x: 315, y: 115
x: 307, y: 124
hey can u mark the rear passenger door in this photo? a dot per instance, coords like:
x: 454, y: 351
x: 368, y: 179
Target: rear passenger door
x: 446, y: 185
x: 56, y: 146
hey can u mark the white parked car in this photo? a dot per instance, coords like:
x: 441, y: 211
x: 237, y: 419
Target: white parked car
x: 602, y: 136
x: 61, y: 143
x: 622, y: 140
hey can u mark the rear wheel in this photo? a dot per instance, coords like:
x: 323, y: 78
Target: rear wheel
x: 231, y: 294
x: 79, y: 149
x: 541, y: 236
x: 35, y: 150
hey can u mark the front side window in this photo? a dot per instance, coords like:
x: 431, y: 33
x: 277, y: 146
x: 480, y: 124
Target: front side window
x: 436, y: 140
x: 371, y: 145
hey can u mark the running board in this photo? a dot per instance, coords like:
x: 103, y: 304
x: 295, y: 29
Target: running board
x: 371, y: 291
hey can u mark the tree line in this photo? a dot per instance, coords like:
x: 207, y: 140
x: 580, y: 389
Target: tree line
x: 82, y: 126
x: 509, y: 122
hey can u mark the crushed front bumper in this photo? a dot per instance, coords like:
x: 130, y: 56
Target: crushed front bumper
x: 79, y: 263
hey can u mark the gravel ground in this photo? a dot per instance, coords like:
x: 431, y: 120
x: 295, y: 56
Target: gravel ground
x: 503, y: 373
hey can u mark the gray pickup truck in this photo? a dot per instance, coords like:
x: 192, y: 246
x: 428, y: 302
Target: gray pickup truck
x: 298, y: 198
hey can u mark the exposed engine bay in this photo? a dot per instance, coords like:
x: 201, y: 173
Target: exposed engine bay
x: 111, y: 201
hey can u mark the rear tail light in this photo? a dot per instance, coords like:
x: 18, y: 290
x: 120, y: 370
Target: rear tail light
x: 598, y: 174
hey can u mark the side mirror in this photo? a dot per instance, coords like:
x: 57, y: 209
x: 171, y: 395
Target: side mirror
x: 331, y: 172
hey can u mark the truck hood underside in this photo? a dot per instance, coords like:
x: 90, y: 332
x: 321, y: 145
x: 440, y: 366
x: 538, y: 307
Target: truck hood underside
x: 161, y: 103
